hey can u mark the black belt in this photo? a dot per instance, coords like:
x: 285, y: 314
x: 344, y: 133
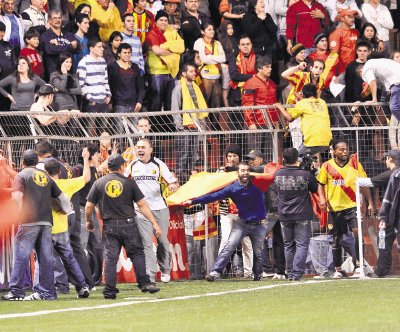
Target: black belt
x: 255, y: 223
x: 119, y: 221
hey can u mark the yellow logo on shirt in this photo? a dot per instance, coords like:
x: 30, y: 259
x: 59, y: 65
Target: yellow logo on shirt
x: 114, y: 188
x: 40, y: 178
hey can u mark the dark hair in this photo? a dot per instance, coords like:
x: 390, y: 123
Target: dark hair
x: 78, y: 9
x: 93, y: 42
x: 243, y: 36
x: 61, y: 58
x: 52, y: 167
x: 262, y: 61
x: 31, y: 33
x: 31, y: 162
x: 125, y: 16
x: 80, y: 17
x: 31, y: 74
x: 2, y: 26
x: 335, y: 143
x: 123, y: 46
x: 205, y: 24
x: 393, y: 53
x: 188, y: 57
x: 186, y: 66
x: 44, y: 147
x: 364, y: 27
x: 135, y: 2
x: 92, y: 148
x: 252, y: 6
x: 114, y: 35
x: 363, y: 43
x: 290, y: 155
x: 310, y: 90
x: 317, y: 60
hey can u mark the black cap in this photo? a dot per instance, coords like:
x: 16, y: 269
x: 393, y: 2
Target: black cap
x: 46, y: 89
x: 394, y: 154
x: 254, y: 154
x: 115, y: 161
x: 161, y: 13
x: 234, y: 148
x: 30, y: 157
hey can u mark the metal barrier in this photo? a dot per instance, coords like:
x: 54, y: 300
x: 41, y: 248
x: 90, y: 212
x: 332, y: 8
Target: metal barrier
x: 201, y: 146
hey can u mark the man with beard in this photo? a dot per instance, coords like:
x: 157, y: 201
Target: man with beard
x: 251, y: 222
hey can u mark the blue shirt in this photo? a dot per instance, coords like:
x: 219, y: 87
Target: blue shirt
x: 14, y: 35
x: 249, y: 200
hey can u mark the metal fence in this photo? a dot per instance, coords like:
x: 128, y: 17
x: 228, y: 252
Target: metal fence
x: 369, y: 130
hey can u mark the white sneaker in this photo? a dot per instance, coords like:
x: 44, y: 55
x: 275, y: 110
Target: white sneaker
x: 339, y: 274
x: 213, y: 276
x: 33, y: 297
x: 83, y: 293
x: 267, y: 275
x: 166, y: 278
x: 279, y: 276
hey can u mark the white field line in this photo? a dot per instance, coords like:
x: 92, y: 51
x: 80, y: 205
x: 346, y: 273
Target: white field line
x: 179, y: 298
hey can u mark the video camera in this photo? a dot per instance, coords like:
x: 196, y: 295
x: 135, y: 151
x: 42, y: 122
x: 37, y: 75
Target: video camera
x: 307, y: 161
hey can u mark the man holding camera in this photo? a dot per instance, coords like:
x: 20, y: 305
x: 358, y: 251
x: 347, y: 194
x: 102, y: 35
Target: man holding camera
x: 295, y: 211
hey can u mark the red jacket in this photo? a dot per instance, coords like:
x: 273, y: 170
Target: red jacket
x: 259, y: 92
x: 301, y: 26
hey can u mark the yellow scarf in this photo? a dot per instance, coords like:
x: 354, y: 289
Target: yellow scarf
x: 188, y: 104
x: 210, y: 69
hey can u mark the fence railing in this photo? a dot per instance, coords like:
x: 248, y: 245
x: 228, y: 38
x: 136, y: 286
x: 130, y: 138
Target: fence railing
x: 369, y: 130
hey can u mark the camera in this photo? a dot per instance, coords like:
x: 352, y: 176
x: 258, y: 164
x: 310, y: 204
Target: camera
x: 307, y: 161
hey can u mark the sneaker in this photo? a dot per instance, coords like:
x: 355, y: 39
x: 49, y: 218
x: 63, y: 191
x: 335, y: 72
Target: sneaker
x: 11, y: 297
x: 249, y: 276
x: 150, y: 288
x: 323, y: 276
x: 257, y: 278
x: 357, y: 273
x: 279, y: 276
x: 294, y: 278
x: 267, y: 275
x: 93, y: 289
x: 165, y: 277
x: 339, y: 275
x: 213, y: 276
x: 83, y: 293
x: 110, y: 296
x: 34, y: 297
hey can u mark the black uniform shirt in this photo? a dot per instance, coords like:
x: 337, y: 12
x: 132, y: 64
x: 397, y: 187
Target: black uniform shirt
x: 115, y: 195
x: 38, y: 189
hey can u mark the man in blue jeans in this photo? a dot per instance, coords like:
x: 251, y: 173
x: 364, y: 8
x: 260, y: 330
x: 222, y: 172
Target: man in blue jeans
x: 249, y: 201
x: 33, y: 190
x: 295, y: 211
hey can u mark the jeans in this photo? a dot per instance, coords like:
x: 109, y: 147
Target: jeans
x: 227, y: 222
x: 278, y: 250
x: 296, y: 238
x: 187, y: 147
x: 91, y: 241
x: 163, y: 255
x: 63, y: 248
x: 29, y: 238
x: 74, y: 229
x: 118, y: 233
x: 256, y: 231
x: 395, y: 101
x: 120, y: 121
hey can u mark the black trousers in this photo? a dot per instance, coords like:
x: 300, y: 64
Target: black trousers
x: 118, y: 233
x: 384, y: 263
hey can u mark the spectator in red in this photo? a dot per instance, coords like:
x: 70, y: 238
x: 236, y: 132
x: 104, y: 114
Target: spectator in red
x: 304, y: 19
x: 260, y: 90
x: 31, y: 52
x: 344, y: 39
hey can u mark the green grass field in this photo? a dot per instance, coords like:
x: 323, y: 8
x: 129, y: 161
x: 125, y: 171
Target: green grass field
x: 340, y: 305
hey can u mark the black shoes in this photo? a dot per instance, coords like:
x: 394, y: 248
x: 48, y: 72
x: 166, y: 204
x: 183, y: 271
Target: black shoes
x: 151, y: 288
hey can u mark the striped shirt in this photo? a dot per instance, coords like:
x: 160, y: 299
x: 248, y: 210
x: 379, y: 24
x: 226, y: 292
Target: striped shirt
x: 93, y: 79
x: 137, y: 56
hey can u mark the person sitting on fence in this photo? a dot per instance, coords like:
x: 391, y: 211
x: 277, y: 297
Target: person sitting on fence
x: 315, y: 123
x: 43, y: 104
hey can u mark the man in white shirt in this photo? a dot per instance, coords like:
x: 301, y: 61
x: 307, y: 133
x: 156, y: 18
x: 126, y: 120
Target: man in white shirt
x: 387, y: 72
x: 150, y: 173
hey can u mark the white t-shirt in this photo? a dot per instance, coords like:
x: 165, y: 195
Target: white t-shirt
x: 148, y: 178
x: 384, y: 70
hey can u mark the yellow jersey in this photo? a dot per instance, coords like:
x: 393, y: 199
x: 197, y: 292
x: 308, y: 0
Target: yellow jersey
x: 69, y: 187
x: 340, y: 183
x: 315, y: 123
